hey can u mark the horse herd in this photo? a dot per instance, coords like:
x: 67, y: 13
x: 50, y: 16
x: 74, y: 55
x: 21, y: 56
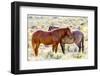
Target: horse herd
x: 55, y: 36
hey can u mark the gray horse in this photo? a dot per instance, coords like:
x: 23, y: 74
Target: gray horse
x: 78, y: 39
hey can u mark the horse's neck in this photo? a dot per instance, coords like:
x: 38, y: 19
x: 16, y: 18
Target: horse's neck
x: 61, y: 33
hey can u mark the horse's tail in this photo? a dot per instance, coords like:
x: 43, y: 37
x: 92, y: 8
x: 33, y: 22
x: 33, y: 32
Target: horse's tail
x: 33, y: 45
x: 83, y: 43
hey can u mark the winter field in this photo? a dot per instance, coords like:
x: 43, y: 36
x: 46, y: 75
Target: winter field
x: 40, y: 22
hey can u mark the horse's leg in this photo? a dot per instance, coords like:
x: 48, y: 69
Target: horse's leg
x: 36, y: 49
x: 62, y: 47
x: 33, y: 46
x: 82, y: 44
x: 53, y: 48
x: 56, y: 47
x: 79, y: 46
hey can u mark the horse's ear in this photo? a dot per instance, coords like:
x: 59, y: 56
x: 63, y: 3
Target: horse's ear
x: 68, y: 31
x: 68, y: 28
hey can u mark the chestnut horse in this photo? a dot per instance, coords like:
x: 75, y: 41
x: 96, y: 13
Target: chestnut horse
x: 78, y: 39
x: 49, y: 38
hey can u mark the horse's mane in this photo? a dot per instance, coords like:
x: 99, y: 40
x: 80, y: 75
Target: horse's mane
x: 54, y: 30
x: 59, y: 29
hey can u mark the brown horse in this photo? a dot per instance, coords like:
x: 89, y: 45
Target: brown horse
x: 49, y: 38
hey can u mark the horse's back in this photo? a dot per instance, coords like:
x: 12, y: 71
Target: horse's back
x: 78, y: 35
x: 40, y: 32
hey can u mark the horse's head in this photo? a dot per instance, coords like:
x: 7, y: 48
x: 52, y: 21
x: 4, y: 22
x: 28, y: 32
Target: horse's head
x: 52, y: 28
x: 68, y: 31
x: 69, y: 34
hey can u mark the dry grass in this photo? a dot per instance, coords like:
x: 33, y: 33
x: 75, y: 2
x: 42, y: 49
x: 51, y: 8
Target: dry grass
x: 43, y: 23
